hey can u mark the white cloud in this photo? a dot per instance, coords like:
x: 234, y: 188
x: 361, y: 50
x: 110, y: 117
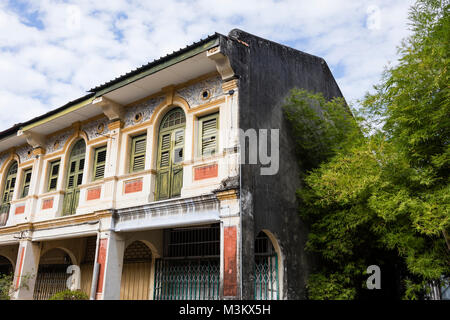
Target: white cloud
x: 81, y: 44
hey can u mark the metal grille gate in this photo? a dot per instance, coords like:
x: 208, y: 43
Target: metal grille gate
x: 190, y: 269
x: 266, y: 269
x: 187, y: 280
x: 50, y: 280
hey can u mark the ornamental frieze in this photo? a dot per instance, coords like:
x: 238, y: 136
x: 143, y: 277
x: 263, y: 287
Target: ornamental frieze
x: 142, y: 111
x: 202, y: 92
x: 57, y: 142
x: 96, y: 128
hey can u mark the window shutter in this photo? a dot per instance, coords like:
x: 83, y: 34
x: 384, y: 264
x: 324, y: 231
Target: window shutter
x: 53, y: 175
x: 138, y: 146
x: 99, y: 163
x: 165, y: 150
x: 26, y: 182
x: 178, y: 147
x: 209, y: 129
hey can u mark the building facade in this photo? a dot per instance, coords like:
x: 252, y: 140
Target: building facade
x: 143, y: 188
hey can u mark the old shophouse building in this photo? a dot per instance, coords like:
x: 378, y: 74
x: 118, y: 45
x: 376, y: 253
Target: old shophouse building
x: 140, y: 187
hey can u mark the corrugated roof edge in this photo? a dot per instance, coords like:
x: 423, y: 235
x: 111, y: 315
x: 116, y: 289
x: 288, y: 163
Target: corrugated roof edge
x: 91, y: 92
x: 154, y: 63
x: 17, y: 126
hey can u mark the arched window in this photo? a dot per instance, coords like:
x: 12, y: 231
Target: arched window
x: 170, y: 155
x: 74, y: 177
x: 8, y: 191
x: 266, y: 269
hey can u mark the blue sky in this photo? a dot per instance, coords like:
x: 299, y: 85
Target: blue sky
x: 52, y: 52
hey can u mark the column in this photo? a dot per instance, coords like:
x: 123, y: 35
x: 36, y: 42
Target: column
x: 110, y: 258
x: 26, y: 270
x: 230, y: 250
x: 37, y: 179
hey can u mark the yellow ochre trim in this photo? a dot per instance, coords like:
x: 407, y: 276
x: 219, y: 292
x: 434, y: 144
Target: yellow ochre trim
x: 227, y: 195
x: 59, y: 114
x: 57, y: 222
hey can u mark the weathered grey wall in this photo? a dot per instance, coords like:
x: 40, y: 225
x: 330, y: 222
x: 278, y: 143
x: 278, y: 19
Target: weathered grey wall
x: 267, y: 71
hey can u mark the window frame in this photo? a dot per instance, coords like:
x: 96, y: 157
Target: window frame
x: 8, y: 190
x: 52, y: 176
x: 97, y: 165
x: 134, y: 139
x: 201, y: 120
x: 25, y: 183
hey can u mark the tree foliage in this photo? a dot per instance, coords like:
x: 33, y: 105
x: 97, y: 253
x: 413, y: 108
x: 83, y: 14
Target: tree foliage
x: 378, y: 191
x: 5, y: 286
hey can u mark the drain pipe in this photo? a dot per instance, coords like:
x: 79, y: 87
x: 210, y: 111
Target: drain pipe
x: 96, y: 268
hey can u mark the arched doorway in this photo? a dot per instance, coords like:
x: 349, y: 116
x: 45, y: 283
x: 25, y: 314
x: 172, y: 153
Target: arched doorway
x: 6, y: 268
x: 136, y: 272
x: 52, y: 274
x: 74, y: 177
x: 10, y: 183
x: 266, y: 269
x: 170, y: 155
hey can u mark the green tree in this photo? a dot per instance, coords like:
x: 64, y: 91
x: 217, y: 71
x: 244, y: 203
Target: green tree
x: 378, y: 191
x: 5, y: 286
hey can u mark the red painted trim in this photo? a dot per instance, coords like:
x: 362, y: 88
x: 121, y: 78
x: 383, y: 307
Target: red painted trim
x: 20, y: 267
x: 101, y: 259
x: 20, y: 209
x: 93, y: 194
x: 133, y: 186
x: 47, y: 204
x: 205, y: 172
x: 230, y: 261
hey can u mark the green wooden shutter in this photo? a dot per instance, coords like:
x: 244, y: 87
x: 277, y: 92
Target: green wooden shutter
x: 10, y: 183
x: 53, y: 175
x: 138, y: 146
x: 169, y: 178
x: 164, y: 165
x: 26, y: 182
x: 8, y: 192
x: 74, y: 178
x: 99, y: 163
x: 209, y: 127
x: 177, y: 168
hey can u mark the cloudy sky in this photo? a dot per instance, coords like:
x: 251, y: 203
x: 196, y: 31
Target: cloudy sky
x: 52, y: 52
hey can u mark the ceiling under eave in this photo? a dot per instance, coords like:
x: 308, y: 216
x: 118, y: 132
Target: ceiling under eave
x: 181, y: 72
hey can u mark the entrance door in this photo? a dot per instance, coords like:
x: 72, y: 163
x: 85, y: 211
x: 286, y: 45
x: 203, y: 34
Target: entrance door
x: 170, y: 155
x: 190, y: 267
x: 266, y: 269
x: 74, y: 178
x: 52, y: 274
x: 137, y: 264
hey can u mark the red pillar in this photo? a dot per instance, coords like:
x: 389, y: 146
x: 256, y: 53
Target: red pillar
x: 101, y: 259
x: 230, y: 262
